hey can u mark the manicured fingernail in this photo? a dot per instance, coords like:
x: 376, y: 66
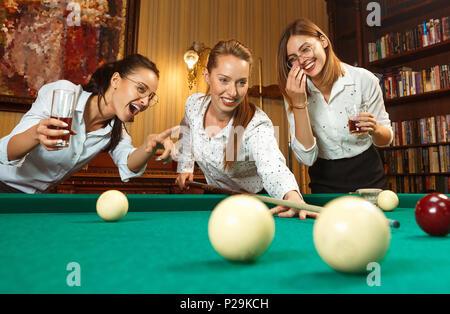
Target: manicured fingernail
x: 65, y: 124
x: 158, y: 159
x: 66, y: 132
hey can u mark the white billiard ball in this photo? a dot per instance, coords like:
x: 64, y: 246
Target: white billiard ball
x: 387, y: 200
x: 241, y: 228
x: 112, y: 205
x: 350, y: 233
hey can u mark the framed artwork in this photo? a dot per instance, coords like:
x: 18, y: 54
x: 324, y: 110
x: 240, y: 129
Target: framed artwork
x: 48, y: 40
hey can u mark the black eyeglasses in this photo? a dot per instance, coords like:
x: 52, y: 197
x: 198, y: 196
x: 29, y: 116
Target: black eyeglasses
x: 143, y: 92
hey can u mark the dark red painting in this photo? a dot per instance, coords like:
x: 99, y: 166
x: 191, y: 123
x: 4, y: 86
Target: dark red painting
x: 44, y: 41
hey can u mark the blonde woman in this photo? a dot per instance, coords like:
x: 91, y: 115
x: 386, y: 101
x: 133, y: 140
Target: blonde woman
x: 232, y: 141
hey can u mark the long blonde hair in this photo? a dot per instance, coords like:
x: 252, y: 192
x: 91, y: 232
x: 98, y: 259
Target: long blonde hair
x: 245, y: 111
x: 332, y: 68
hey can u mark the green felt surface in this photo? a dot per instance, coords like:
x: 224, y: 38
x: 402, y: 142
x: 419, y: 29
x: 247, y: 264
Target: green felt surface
x: 162, y: 246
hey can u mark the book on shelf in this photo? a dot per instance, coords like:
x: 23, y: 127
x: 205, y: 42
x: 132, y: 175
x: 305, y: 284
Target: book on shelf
x: 427, y: 33
x: 404, y: 81
x: 445, y: 25
x: 417, y: 160
x: 443, y: 159
x: 426, y: 130
x: 434, y: 159
x: 419, y: 169
x: 419, y: 184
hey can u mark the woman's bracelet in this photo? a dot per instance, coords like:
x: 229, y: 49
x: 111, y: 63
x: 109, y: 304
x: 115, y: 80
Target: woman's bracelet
x: 301, y: 107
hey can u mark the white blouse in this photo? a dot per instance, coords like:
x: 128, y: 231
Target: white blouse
x: 40, y: 169
x: 329, y: 122
x: 260, y: 164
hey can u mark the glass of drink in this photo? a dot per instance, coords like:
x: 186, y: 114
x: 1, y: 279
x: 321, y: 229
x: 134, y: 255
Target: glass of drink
x: 353, y: 111
x: 63, y: 104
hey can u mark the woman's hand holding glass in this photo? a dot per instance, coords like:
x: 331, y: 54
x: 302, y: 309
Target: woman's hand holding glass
x: 48, y: 128
x: 367, y: 122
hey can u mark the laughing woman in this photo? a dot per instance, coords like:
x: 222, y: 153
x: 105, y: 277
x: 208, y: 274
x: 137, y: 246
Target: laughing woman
x: 317, y: 87
x: 232, y: 141
x: 32, y: 162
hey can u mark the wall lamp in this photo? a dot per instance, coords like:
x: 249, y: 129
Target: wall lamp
x: 191, y: 59
x: 195, y: 58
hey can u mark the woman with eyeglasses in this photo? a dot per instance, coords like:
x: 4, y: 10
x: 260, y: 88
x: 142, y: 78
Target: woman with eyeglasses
x: 32, y: 162
x: 317, y: 87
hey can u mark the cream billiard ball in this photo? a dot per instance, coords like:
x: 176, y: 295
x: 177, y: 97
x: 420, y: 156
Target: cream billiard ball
x: 241, y: 228
x: 350, y: 233
x: 387, y: 200
x: 112, y: 205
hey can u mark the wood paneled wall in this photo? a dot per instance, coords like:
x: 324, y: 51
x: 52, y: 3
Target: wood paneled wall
x: 168, y: 28
x: 8, y: 121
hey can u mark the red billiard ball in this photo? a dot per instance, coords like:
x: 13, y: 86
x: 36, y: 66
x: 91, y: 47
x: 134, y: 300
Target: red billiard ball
x: 433, y: 214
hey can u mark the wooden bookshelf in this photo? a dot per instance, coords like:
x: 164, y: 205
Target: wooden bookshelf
x: 413, y: 146
x: 401, y: 19
x: 344, y: 29
x: 413, y: 9
x: 418, y: 97
x: 347, y: 34
x: 419, y: 174
x: 411, y: 55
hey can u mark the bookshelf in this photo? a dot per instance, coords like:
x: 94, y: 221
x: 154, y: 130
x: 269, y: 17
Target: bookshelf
x: 394, y: 10
x: 343, y: 17
x: 414, y: 146
x: 416, y: 82
x: 419, y: 97
x: 412, y: 55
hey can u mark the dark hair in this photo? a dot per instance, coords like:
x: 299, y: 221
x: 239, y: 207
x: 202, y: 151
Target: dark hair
x: 101, y: 79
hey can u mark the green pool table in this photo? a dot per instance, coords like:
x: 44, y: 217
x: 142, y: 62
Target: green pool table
x: 56, y: 243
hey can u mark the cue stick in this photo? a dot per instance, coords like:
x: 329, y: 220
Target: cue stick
x: 289, y: 150
x: 271, y: 200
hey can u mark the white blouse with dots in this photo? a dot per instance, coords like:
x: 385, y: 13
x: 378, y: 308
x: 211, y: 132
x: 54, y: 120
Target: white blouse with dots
x: 329, y: 122
x: 260, y: 164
